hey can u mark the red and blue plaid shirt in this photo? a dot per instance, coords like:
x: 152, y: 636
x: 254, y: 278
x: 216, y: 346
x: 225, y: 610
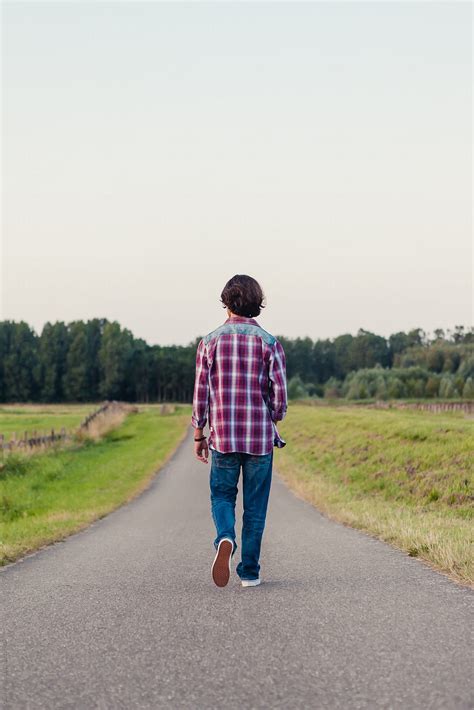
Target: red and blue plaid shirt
x: 240, y: 387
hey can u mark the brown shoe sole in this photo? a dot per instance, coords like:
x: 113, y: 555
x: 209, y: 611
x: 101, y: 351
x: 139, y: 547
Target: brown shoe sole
x: 221, y: 565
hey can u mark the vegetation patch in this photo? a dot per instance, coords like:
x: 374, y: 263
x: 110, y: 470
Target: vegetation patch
x: 47, y: 496
x: 403, y: 475
x: 18, y: 418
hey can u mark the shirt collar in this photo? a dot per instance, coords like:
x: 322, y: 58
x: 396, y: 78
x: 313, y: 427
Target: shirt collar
x: 241, y: 319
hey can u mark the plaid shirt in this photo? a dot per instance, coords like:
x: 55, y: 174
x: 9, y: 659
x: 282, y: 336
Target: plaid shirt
x: 240, y: 385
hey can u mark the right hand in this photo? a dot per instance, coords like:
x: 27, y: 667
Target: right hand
x: 201, y: 449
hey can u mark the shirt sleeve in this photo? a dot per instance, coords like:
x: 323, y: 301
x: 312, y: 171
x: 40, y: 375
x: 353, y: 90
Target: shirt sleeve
x: 201, y: 388
x: 277, y: 373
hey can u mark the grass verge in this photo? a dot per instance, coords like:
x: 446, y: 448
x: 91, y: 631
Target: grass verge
x: 44, y: 498
x: 403, y: 476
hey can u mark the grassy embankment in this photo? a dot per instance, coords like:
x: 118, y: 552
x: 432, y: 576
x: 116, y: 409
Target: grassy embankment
x: 47, y: 496
x: 404, y: 476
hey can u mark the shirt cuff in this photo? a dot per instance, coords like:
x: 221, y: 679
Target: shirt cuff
x: 278, y: 415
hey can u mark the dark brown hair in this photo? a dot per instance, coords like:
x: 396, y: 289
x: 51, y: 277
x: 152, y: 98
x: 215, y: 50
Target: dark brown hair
x: 243, y: 295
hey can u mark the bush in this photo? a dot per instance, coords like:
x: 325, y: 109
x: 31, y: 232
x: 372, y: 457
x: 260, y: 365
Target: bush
x: 314, y: 390
x: 466, y: 369
x: 468, y: 389
x: 398, y: 382
x: 395, y: 388
x: 296, y: 388
x: 447, y: 388
x: 381, y: 388
x: 432, y: 387
x: 332, y: 388
x: 15, y: 464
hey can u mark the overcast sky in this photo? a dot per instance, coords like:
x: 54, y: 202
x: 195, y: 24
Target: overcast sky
x: 153, y: 150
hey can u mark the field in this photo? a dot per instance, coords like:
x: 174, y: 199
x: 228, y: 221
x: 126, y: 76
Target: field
x: 404, y: 476
x: 18, y: 418
x: 46, y: 496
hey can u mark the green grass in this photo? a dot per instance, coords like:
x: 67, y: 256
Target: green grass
x: 404, y: 476
x: 19, y: 418
x: 48, y: 496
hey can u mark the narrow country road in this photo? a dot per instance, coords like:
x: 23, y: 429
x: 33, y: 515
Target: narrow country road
x: 125, y: 615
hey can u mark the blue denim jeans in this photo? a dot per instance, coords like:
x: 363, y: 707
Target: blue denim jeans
x: 257, y: 478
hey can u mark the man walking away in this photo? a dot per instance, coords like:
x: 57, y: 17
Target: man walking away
x: 240, y: 391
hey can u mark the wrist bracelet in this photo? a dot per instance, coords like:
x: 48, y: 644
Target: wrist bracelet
x: 202, y: 437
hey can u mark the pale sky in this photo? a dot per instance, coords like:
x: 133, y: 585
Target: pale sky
x: 150, y: 151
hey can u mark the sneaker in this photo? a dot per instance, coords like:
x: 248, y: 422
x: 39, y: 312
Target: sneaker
x: 250, y: 582
x: 221, y: 565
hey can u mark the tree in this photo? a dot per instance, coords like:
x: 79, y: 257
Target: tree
x: 20, y: 366
x: 53, y: 348
x: 397, y: 343
x: 435, y: 359
x: 138, y: 374
x: 368, y: 349
x: 417, y: 336
x: 114, y: 355
x: 323, y: 361
x: 76, y: 381
x: 439, y: 334
x: 458, y: 335
x: 342, y: 355
x: 301, y: 358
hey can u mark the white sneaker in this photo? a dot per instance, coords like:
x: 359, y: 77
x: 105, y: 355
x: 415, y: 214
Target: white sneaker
x: 221, y: 566
x: 250, y: 582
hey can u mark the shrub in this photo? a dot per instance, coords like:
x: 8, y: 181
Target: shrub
x: 296, y: 388
x: 332, y: 388
x: 395, y: 388
x: 468, y: 389
x: 432, y: 387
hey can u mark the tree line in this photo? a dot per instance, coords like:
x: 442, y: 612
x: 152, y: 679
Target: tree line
x: 88, y: 361
x: 405, y: 365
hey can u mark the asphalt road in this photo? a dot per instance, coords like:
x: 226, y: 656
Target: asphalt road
x: 125, y: 615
